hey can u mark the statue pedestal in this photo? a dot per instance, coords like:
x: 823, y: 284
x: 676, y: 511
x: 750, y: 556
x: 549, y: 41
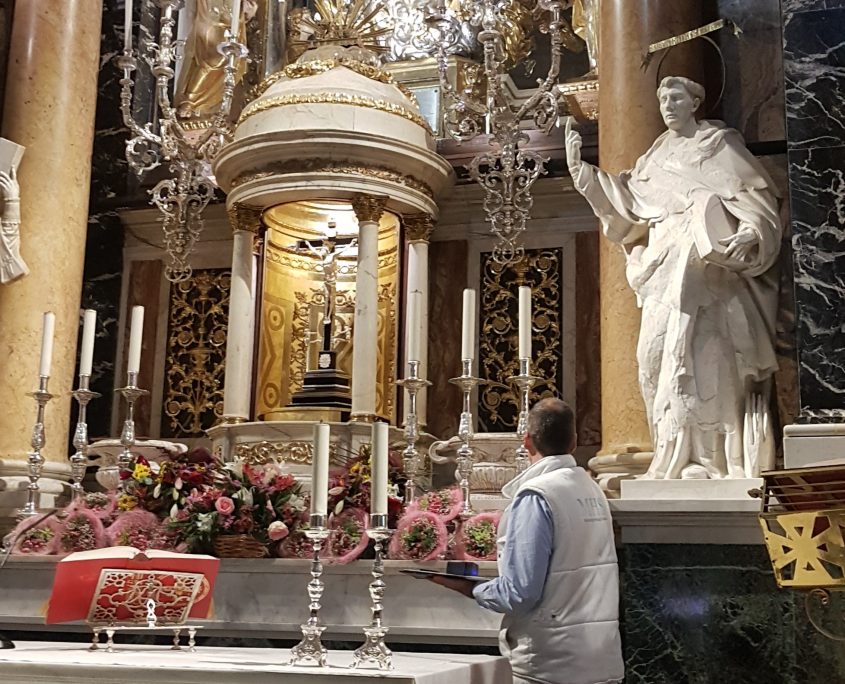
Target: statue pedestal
x: 691, y: 490
x: 813, y: 444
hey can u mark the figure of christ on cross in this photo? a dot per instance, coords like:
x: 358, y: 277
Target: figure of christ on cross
x: 328, y: 250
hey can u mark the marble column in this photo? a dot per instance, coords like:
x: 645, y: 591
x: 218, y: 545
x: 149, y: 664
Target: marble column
x: 418, y: 230
x: 368, y: 210
x: 49, y: 106
x: 240, y: 334
x: 629, y: 121
x: 815, y: 135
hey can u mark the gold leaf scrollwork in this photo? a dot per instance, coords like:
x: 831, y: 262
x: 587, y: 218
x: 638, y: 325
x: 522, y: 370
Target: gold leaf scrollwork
x: 498, y: 404
x: 195, y: 363
x: 262, y: 453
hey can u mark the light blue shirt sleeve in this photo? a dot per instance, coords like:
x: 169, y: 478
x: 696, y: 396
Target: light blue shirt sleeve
x: 524, y: 562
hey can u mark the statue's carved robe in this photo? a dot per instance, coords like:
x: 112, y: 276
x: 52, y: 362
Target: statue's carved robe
x: 707, y: 335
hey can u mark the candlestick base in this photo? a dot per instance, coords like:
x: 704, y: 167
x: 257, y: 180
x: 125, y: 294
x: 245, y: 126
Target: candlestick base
x: 374, y: 650
x: 311, y: 649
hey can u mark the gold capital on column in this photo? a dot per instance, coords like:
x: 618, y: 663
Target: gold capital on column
x: 244, y: 217
x: 368, y: 207
x: 418, y: 227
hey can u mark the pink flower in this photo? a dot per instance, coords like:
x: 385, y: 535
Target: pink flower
x: 224, y: 505
x: 277, y: 530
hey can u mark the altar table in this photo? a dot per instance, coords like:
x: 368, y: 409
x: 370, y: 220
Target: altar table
x: 63, y: 663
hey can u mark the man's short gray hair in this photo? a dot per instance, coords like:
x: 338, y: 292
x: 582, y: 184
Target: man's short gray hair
x: 694, y: 89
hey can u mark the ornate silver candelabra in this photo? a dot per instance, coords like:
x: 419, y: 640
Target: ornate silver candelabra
x: 183, y: 198
x: 507, y: 172
x: 79, y: 460
x: 410, y: 457
x: 467, y: 382
x: 524, y: 382
x: 35, y: 461
x: 131, y: 393
x: 311, y: 648
x: 374, y: 650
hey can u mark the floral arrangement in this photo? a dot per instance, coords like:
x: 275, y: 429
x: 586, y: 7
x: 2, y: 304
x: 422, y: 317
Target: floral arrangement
x: 164, y: 488
x: 348, y: 536
x: 101, y: 504
x: 446, y: 504
x: 350, y: 487
x: 476, y: 539
x: 38, y: 540
x: 259, y: 501
x: 419, y: 536
x: 140, y: 529
x: 295, y: 545
x: 81, y: 531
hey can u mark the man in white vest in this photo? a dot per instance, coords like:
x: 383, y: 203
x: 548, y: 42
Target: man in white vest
x: 558, y: 583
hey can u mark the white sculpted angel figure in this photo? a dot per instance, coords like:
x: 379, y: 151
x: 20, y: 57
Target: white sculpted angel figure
x: 698, y: 220
x: 12, y: 266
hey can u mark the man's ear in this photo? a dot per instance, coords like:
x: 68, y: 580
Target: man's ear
x: 697, y: 103
x: 528, y: 444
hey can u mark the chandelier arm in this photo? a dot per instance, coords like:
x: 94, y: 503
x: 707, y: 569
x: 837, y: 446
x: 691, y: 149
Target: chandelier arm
x: 550, y: 82
x: 165, y: 57
x: 128, y: 63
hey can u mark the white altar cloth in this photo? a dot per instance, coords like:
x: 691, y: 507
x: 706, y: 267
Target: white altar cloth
x: 62, y: 663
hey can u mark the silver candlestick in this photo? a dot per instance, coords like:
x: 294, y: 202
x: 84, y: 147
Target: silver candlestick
x: 410, y: 457
x: 79, y: 460
x: 524, y: 382
x: 467, y: 382
x: 35, y: 460
x: 311, y: 648
x: 131, y: 393
x: 374, y: 650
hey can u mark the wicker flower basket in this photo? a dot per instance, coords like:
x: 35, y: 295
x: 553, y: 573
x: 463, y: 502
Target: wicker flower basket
x: 238, y: 546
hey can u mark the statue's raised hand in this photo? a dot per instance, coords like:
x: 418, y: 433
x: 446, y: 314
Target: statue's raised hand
x: 572, y: 141
x: 9, y: 185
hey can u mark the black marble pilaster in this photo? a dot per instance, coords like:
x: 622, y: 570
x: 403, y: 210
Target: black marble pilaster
x: 814, y: 69
x: 110, y: 183
x: 706, y: 614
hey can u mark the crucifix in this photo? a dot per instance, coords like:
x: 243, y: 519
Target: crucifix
x: 328, y: 250
x: 326, y: 385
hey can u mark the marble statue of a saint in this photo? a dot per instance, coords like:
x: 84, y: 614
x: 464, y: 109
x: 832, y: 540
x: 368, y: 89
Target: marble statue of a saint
x: 12, y: 266
x: 698, y: 220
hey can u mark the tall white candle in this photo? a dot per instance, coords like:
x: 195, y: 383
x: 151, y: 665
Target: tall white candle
x: 236, y: 18
x: 524, y: 322
x: 136, y: 332
x: 89, y: 328
x: 412, y: 330
x: 320, y: 469
x: 378, y: 468
x: 47, y: 331
x: 468, y: 327
x: 127, y: 26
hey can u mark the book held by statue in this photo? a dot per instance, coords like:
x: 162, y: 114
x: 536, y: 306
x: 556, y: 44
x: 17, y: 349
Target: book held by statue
x: 711, y: 224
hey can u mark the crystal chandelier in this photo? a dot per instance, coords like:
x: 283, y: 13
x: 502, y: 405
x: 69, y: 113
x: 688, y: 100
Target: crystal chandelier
x: 188, y: 148
x: 507, y: 171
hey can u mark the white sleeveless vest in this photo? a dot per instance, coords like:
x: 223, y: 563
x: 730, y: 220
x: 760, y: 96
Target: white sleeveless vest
x: 572, y: 635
